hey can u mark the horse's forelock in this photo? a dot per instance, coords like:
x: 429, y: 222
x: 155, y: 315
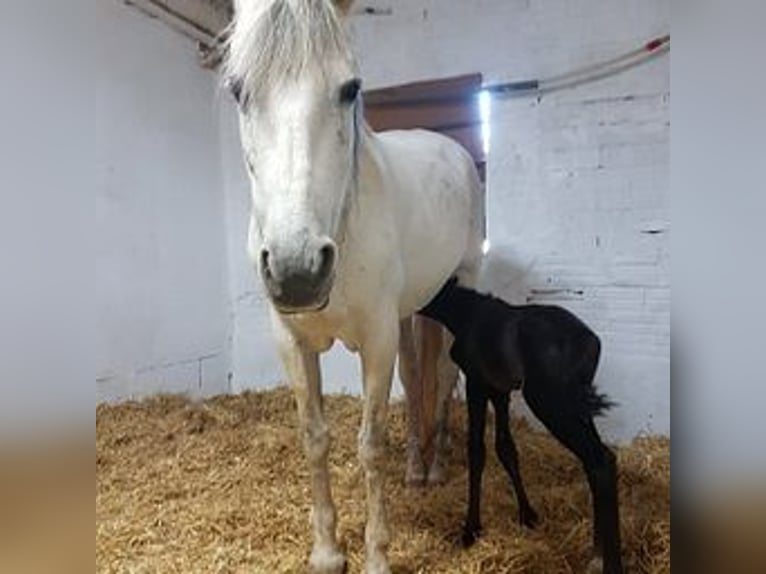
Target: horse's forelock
x: 275, y: 40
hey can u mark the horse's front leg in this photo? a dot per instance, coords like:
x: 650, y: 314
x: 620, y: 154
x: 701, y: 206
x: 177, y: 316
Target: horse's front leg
x: 302, y: 366
x: 378, y: 356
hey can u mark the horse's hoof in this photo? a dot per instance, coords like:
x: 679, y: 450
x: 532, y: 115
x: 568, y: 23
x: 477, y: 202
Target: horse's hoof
x: 437, y: 475
x: 327, y: 562
x: 415, y: 475
x: 415, y: 481
x: 377, y: 565
x: 528, y: 517
x: 415, y: 478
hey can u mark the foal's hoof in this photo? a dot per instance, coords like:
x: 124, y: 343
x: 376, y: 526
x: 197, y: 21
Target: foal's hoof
x: 528, y: 517
x: 598, y: 565
x: 469, y: 537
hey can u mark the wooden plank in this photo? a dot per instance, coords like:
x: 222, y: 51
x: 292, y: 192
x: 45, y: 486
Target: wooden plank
x: 449, y: 106
x: 454, y: 114
x: 426, y: 92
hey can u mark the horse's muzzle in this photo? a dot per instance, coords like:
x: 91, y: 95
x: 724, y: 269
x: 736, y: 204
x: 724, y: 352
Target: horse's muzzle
x: 299, y: 284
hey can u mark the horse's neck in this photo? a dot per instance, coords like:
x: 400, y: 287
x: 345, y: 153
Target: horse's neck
x: 371, y: 169
x: 459, y: 308
x: 370, y: 157
x: 369, y: 199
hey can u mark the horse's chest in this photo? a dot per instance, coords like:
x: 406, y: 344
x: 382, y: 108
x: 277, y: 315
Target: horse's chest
x: 321, y: 330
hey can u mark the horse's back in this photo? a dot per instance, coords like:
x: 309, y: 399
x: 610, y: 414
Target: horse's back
x: 424, y: 155
x: 422, y: 140
x: 439, y: 205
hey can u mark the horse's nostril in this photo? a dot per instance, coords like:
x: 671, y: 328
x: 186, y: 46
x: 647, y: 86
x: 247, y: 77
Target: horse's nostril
x: 326, y: 260
x: 265, y: 263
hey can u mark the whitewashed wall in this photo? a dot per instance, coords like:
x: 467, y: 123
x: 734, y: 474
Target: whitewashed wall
x: 160, y: 269
x: 578, y: 180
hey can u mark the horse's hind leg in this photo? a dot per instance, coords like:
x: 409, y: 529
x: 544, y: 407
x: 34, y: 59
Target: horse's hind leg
x: 508, y: 455
x: 415, y: 473
x: 574, y: 428
x: 447, y: 373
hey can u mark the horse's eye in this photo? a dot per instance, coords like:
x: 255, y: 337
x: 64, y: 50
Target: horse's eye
x: 234, y: 86
x: 350, y: 90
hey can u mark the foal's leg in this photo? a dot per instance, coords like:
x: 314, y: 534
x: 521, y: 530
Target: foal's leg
x: 602, y: 479
x: 302, y: 368
x: 506, y: 451
x: 378, y: 356
x: 447, y: 370
x: 576, y: 431
x: 477, y: 417
x: 447, y: 373
x: 408, y: 373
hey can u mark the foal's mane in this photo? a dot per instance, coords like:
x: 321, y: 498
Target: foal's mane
x: 271, y: 41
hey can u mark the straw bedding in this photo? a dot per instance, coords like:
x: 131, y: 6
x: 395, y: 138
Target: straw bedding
x: 221, y: 486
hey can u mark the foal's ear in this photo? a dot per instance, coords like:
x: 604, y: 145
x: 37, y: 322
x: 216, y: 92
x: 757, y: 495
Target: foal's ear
x: 344, y: 6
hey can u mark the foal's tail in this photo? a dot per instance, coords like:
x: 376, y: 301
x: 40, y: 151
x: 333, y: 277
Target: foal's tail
x: 594, y: 403
x: 587, y: 398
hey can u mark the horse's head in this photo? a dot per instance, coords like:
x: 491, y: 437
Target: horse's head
x: 293, y: 75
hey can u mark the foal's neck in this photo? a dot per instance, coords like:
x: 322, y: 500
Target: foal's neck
x: 455, y: 308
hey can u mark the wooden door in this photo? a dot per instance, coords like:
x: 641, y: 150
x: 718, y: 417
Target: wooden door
x: 449, y: 106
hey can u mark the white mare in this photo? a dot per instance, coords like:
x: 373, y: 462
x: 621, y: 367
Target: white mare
x: 351, y: 231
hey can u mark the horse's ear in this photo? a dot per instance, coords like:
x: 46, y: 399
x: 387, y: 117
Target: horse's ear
x: 344, y: 6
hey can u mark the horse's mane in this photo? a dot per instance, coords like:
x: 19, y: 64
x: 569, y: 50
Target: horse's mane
x: 271, y: 41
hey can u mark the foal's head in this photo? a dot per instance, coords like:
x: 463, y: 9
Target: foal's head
x: 290, y: 68
x: 442, y: 306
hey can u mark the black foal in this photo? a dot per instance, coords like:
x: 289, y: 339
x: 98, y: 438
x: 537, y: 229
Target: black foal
x: 552, y: 357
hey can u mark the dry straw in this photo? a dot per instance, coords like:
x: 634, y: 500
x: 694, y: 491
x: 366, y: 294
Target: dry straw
x: 221, y: 487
